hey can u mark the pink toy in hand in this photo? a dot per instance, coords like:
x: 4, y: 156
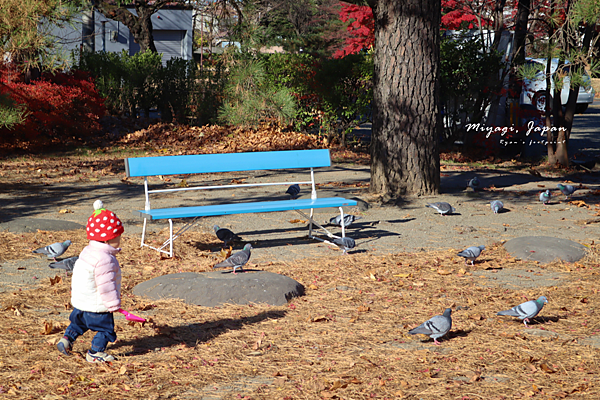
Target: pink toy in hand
x: 131, y: 317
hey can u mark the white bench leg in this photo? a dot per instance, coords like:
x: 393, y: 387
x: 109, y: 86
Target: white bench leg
x: 342, y: 222
x: 143, y: 233
x: 171, y: 238
x: 312, y: 221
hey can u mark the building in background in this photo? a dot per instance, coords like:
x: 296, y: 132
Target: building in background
x: 172, y: 31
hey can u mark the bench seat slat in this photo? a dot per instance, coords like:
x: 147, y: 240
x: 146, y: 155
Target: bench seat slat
x: 229, y: 162
x: 245, y: 208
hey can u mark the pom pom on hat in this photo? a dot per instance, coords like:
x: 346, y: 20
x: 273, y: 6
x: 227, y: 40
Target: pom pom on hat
x: 103, y: 225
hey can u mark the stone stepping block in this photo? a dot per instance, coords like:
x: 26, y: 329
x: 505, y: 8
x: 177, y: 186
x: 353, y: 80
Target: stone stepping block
x: 28, y: 225
x: 545, y: 249
x: 210, y: 289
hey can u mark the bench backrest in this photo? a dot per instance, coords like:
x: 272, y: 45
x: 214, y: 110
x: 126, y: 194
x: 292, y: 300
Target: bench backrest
x: 205, y: 163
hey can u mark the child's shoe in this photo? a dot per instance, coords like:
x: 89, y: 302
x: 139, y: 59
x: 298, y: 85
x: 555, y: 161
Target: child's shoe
x: 64, y: 345
x: 99, y: 356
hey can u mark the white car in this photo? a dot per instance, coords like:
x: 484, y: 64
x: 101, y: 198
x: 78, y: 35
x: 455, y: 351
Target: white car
x: 534, y: 90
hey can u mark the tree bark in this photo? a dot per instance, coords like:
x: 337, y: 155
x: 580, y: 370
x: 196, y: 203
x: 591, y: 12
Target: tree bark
x: 406, y: 121
x: 140, y: 26
x: 518, y: 51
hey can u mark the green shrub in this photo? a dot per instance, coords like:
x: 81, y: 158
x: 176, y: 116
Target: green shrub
x: 469, y: 79
x: 333, y: 95
x: 206, y: 97
x: 250, y: 98
x: 127, y: 82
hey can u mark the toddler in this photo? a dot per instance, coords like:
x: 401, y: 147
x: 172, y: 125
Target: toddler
x: 96, y: 286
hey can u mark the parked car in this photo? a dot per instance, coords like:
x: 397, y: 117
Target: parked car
x: 534, y: 90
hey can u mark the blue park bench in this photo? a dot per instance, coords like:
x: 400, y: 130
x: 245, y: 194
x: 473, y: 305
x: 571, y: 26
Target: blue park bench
x: 215, y: 163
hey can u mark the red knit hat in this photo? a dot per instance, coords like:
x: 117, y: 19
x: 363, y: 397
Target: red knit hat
x: 103, y: 225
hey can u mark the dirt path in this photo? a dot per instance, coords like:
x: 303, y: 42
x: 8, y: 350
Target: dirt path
x: 406, y: 226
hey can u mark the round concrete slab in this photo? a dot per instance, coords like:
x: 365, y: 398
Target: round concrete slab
x: 25, y: 225
x: 212, y: 289
x: 545, y: 249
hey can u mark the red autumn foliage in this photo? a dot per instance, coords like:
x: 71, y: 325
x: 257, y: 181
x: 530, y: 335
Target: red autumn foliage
x: 456, y: 14
x: 361, y: 28
x: 61, y: 105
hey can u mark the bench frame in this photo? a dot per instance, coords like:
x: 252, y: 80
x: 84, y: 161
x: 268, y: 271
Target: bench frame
x: 211, y: 163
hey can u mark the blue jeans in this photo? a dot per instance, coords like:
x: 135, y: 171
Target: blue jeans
x: 103, y: 323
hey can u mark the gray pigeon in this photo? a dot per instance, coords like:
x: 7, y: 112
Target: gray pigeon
x: 54, y: 250
x: 348, y: 220
x: 236, y: 260
x: 545, y: 196
x: 474, y: 183
x: 496, y: 206
x: 567, y: 190
x: 346, y: 243
x: 526, y: 310
x: 293, y: 190
x: 442, y: 207
x: 67, y: 264
x: 471, y: 253
x: 436, y: 327
x: 225, y: 235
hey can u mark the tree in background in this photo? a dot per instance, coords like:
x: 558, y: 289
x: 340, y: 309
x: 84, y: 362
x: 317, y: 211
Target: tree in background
x: 571, y: 30
x: 309, y: 26
x: 27, y: 46
x: 361, y: 28
x: 23, y: 34
x: 139, y: 25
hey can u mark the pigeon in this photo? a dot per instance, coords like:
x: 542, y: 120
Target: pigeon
x: 346, y: 243
x: 436, y: 327
x: 442, y: 207
x: 54, y: 250
x: 474, y: 183
x: 67, y: 264
x: 236, y: 260
x: 545, y: 196
x: 225, y: 235
x: 567, y: 190
x: 293, y: 191
x: 526, y: 310
x: 348, y: 219
x: 496, y: 206
x: 471, y: 253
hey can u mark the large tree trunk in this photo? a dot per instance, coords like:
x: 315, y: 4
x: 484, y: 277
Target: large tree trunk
x: 406, y: 121
x: 140, y: 26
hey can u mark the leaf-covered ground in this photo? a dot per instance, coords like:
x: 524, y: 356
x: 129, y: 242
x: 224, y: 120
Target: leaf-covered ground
x: 345, y: 339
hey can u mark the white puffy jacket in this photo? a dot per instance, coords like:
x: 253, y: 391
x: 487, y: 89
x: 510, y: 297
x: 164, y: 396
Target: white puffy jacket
x: 96, y: 281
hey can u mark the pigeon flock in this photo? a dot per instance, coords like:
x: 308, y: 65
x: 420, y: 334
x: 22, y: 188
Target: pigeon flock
x: 439, y: 325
